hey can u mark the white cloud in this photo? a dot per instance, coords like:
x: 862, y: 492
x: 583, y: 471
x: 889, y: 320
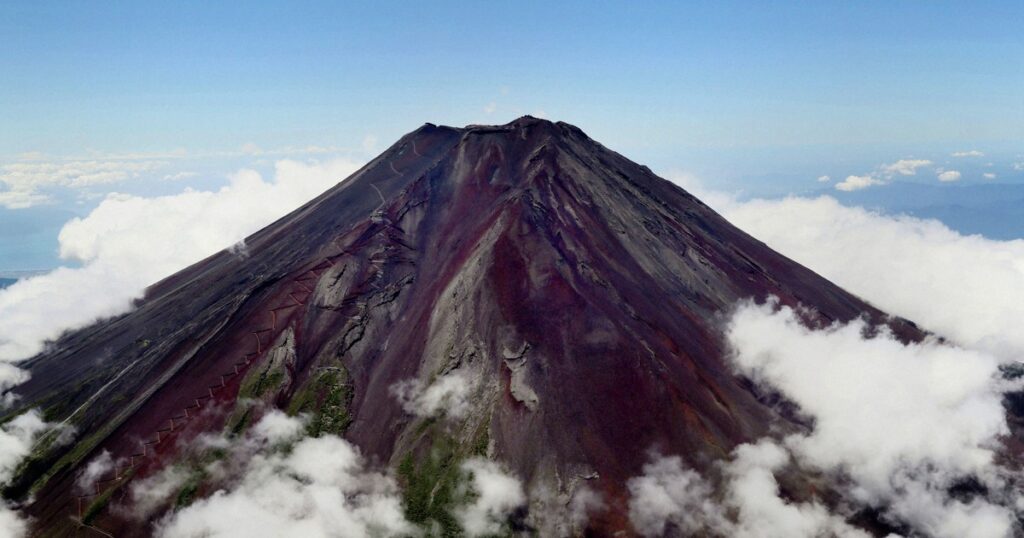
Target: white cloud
x: 321, y: 487
x: 10, y: 375
x: 584, y: 502
x: 276, y: 428
x: 761, y: 512
x: 23, y: 199
x: 497, y: 495
x: 448, y: 395
x: 962, y: 287
x: 904, y: 167
x: 892, y: 395
x: 153, y: 492
x: 369, y: 144
x: 856, y: 183
x: 885, y: 172
x: 947, y: 176
x: 669, y: 494
x: 971, y: 153
x: 129, y: 242
x: 894, y: 426
x: 904, y: 422
x: 1018, y: 166
x: 12, y: 525
x: 178, y: 176
x: 489, y: 108
x: 16, y: 440
x: 250, y: 148
x: 97, y: 468
x: 988, y: 175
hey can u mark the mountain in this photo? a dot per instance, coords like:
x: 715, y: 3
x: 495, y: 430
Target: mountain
x: 580, y: 298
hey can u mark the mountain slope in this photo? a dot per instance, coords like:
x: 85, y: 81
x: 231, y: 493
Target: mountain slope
x: 577, y: 296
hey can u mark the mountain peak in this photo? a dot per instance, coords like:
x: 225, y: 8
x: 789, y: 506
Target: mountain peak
x: 520, y: 123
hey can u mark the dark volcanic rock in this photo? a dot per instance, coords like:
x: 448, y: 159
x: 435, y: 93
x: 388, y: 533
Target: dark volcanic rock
x: 581, y: 295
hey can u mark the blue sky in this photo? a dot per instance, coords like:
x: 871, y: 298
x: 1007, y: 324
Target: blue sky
x: 762, y: 97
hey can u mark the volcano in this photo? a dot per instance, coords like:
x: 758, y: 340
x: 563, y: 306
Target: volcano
x: 580, y: 297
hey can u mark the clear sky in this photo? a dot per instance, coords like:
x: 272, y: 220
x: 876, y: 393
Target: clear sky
x: 761, y: 96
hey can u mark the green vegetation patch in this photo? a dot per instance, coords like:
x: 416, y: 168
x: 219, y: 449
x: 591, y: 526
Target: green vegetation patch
x: 187, y: 493
x: 433, y: 482
x: 326, y: 398
x: 97, y: 505
x: 430, y: 489
x: 262, y: 383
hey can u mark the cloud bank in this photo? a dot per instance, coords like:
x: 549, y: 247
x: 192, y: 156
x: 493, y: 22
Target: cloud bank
x: 966, y: 288
x: 318, y: 487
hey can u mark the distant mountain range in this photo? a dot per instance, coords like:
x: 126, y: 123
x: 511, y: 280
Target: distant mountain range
x: 10, y: 277
x: 994, y: 210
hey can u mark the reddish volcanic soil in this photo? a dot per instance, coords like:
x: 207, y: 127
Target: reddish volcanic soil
x: 582, y: 294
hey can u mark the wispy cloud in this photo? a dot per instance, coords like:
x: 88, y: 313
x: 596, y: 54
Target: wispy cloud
x: 904, y: 167
x: 25, y: 181
x: 448, y: 395
x: 178, y: 176
x: 970, y: 153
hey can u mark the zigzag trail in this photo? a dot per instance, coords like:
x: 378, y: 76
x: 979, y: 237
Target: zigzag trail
x: 299, y: 295
x: 121, y: 475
